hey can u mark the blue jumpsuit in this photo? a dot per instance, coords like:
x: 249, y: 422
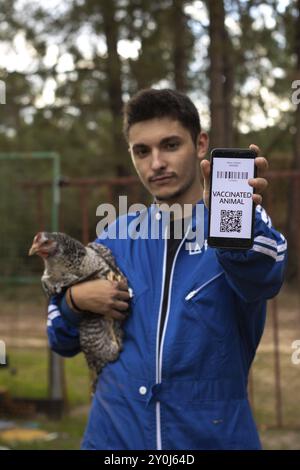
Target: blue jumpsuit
x: 189, y: 390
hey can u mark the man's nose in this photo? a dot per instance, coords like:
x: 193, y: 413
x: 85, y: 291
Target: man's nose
x: 157, y: 162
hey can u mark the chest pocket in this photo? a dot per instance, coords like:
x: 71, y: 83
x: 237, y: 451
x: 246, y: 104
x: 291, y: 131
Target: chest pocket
x: 210, y: 304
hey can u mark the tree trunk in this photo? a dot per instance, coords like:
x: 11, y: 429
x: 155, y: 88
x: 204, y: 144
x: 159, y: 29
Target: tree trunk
x: 294, y: 213
x: 114, y: 86
x: 216, y: 72
x: 180, y: 56
x: 228, y: 90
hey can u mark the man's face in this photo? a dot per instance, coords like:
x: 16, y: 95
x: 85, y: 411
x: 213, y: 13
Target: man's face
x: 166, y: 159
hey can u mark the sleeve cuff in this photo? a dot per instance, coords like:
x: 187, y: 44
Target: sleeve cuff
x: 72, y: 317
x: 232, y: 253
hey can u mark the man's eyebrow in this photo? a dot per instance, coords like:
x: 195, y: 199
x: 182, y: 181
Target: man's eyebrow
x: 163, y: 141
x: 139, y: 145
x: 170, y: 137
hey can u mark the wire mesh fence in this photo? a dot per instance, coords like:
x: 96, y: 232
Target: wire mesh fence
x: 22, y: 213
x: 274, y: 384
x: 21, y: 216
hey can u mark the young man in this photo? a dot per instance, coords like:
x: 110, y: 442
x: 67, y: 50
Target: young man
x: 196, y: 317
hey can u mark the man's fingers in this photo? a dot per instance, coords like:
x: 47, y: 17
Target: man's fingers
x: 261, y: 163
x: 117, y: 315
x: 123, y: 295
x: 122, y: 285
x: 120, y: 305
x: 256, y: 149
x: 257, y: 198
x: 259, y: 184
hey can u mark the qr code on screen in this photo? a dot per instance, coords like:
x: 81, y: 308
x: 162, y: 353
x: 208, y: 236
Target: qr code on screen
x: 231, y: 221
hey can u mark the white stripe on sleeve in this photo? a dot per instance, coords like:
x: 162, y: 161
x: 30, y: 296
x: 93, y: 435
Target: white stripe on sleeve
x: 266, y: 251
x: 52, y: 308
x: 266, y: 241
x: 53, y: 315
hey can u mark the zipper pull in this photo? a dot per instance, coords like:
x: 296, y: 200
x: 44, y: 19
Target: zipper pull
x: 190, y: 295
x: 130, y: 291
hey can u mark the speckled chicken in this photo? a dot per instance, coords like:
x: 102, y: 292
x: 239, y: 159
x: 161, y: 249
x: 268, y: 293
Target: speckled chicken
x: 68, y: 262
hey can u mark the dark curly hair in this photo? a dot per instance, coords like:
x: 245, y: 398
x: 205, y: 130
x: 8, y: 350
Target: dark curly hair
x: 151, y: 103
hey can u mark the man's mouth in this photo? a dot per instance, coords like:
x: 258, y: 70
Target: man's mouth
x: 161, y: 179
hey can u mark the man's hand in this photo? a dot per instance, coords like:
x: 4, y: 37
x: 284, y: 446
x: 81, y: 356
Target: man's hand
x: 100, y: 296
x: 258, y: 183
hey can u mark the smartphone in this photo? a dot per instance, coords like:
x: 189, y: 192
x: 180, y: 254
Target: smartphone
x: 231, y: 210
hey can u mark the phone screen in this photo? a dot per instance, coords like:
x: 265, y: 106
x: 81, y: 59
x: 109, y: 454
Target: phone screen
x: 231, y: 212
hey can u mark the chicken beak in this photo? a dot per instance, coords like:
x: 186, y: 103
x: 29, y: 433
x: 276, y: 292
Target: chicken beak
x: 34, y: 249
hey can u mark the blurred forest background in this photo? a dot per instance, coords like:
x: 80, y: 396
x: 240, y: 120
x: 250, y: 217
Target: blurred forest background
x: 68, y: 67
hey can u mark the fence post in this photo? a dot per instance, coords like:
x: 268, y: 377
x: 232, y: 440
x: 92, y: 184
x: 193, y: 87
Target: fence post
x: 277, y: 371
x: 57, y: 385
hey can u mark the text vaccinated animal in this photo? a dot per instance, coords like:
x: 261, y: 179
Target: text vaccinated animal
x: 68, y: 262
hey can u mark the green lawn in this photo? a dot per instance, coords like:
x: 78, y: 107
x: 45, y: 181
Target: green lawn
x: 29, y: 379
x: 23, y: 318
x: 26, y: 375
x: 69, y: 432
x: 264, y: 403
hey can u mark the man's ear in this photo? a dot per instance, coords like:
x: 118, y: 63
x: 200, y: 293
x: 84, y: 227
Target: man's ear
x: 202, y: 145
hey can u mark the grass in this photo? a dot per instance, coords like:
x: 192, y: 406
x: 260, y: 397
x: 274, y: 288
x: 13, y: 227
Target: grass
x: 30, y: 380
x: 264, y: 403
x: 69, y: 432
x: 26, y: 376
